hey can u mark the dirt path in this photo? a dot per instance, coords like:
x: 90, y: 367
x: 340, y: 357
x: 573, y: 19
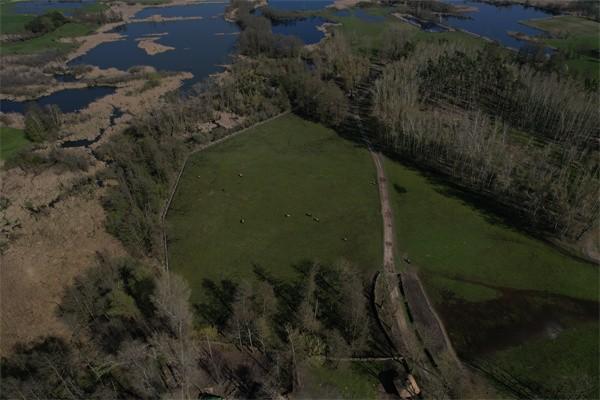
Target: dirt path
x: 422, y: 336
x: 428, y: 322
x: 389, y: 266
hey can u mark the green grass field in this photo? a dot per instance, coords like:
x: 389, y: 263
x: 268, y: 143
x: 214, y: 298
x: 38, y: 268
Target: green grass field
x: 367, y: 37
x: 569, y: 361
x: 289, y: 166
x: 447, y: 236
x: 10, y: 22
x: 11, y: 141
x: 50, y: 40
x: 497, y: 289
x: 346, y: 380
x: 578, y: 37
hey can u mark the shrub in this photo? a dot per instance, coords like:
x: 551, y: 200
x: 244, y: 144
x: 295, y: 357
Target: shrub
x: 46, y: 22
x: 42, y: 124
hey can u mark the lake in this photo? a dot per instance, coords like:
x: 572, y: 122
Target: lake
x: 495, y: 22
x: 203, y: 46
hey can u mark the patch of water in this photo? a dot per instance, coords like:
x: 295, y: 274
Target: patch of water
x: 65, y: 78
x: 39, y: 7
x: 68, y: 100
x: 495, y: 22
x: 201, y: 46
x: 300, y: 5
x: 116, y: 113
x: 305, y: 29
x: 515, y: 317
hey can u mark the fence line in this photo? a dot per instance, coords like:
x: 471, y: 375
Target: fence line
x: 187, y: 157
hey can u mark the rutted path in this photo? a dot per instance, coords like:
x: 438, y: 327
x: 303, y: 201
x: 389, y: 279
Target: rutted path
x: 420, y: 334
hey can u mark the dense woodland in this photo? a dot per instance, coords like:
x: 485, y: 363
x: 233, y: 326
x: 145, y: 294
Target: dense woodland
x: 524, y: 137
x: 517, y: 134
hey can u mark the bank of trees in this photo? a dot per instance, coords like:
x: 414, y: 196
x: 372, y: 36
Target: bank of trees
x: 46, y: 22
x: 42, y: 123
x: 524, y: 138
x: 134, y: 335
x: 130, y: 325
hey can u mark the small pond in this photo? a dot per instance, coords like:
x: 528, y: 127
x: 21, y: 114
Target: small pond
x: 305, y: 29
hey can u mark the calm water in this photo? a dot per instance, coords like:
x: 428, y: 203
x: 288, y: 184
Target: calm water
x: 68, y: 100
x: 200, y: 46
x: 495, y: 22
x: 300, y: 4
x: 40, y: 6
x: 116, y: 113
x: 305, y: 29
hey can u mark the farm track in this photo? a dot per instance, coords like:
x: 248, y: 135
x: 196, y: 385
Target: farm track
x: 412, y: 311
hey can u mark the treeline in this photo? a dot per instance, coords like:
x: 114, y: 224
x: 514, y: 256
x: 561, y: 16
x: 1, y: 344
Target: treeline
x: 524, y: 138
x: 130, y: 325
x: 145, y: 159
x: 46, y: 22
x: 134, y: 335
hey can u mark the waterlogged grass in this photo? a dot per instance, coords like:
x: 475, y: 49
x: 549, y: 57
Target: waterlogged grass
x: 11, y: 141
x: 51, y: 40
x: 448, y: 236
x: 567, y: 365
x: 577, y: 37
x: 368, y: 37
x: 346, y: 381
x: 288, y: 166
x: 565, y: 25
x: 497, y: 289
x: 467, y: 291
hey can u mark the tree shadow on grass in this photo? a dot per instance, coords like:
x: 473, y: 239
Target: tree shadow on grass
x: 400, y: 189
x: 217, y: 310
x: 289, y: 295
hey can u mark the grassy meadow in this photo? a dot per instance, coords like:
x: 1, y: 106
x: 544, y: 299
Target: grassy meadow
x: 12, y: 23
x: 506, y: 298
x: 50, y: 40
x: 11, y: 141
x: 9, y: 21
x: 229, y: 212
